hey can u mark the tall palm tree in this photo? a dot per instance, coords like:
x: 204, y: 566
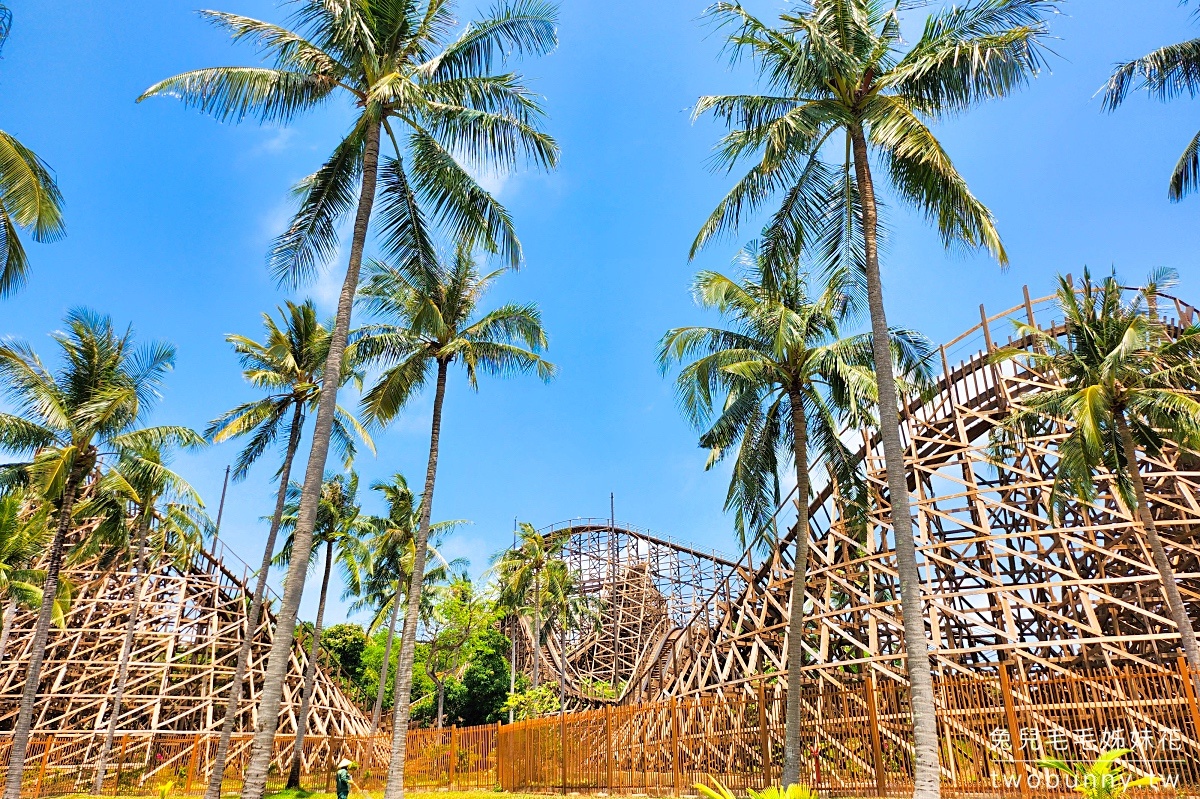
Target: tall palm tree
x: 1164, y: 74
x: 94, y: 401
x: 429, y: 320
x: 159, y: 497
x: 780, y: 383
x: 24, y: 536
x: 341, y: 527
x: 438, y: 100
x: 1125, y: 384
x: 288, y: 364
x: 522, y: 576
x: 841, y: 85
x: 389, y: 569
x: 29, y: 198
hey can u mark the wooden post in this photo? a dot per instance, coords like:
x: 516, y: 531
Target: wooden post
x: 764, y: 735
x: 562, y: 745
x: 37, y: 791
x: 1189, y: 690
x: 1014, y: 731
x: 120, y: 763
x: 496, y: 754
x: 676, y: 773
x: 453, y: 752
x: 191, y: 767
x: 876, y: 743
x: 608, y: 749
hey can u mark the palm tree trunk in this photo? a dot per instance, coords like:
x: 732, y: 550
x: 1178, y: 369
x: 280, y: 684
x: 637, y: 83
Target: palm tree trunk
x: 562, y: 664
x: 383, y: 669
x: 10, y: 616
x: 795, y: 647
x: 41, y: 632
x: 537, y: 625
x: 1179, y: 615
x: 512, y: 668
x: 310, y: 676
x: 285, y: 627
x: 126, y: 653
x: 926, y: 768
x: 408, y: 641
x: 216, y: 774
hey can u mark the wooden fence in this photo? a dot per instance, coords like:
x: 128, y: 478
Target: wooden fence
x: 856, y: 740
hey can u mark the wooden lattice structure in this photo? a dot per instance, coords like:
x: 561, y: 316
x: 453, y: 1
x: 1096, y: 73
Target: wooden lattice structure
x: 192, y: 620
x: 646, y: 588
x: 1002, y: 582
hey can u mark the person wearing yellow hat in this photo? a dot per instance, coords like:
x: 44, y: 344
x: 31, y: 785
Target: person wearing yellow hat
x: 343, y: 779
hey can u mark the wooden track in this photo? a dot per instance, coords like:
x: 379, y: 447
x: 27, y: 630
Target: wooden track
x: 192, y: 621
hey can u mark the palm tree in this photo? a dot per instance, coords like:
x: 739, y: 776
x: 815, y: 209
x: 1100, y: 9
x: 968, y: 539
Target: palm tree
x: 837, y: 67
x: 1125, y: 383
x: 428, y: 322
x: 405, y: 75
x: 340, y: 527
x: 1164, y: 74
x: 780, y: 383
x: 104, y: 389
x: 288, y: 364
x: 29, y: 198
x: 389, y: 568
x: 143, y: 479
x: 24, y: 536
x: 522, y: 575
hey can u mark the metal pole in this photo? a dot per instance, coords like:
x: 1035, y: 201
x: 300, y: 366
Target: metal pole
x: 220, y: 509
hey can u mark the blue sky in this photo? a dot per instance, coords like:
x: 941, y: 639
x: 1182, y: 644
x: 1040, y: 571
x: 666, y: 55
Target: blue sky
x: 169, y: 216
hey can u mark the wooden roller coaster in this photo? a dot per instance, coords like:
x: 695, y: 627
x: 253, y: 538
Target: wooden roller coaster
x: 1002, y: 583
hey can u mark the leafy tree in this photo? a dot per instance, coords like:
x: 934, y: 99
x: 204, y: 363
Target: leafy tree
x: 346, y: 643
x: 1164, y: 74
x: 341, y: 527
x: 484, y: 683
x: 143, y: 479
x: 453, y: 627
x: 438, y: 100
x: 288, y: 365
x: 780, y: 383
x: 428, y: 321
x: 1125, y: 384
x: 533, y: 703
x: 29, y: 198
x: 95, y: 401
x: 839, y: 82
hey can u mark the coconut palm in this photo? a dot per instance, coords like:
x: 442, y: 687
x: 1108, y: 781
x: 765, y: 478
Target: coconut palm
x: 841, y: 85
x: 522, y: 573
x: 63, y: 419
x: 779, y: 384
x: 440, y: 103
x: 159, y: 498
x: 1164, y: 74
x: 288, y: 364
x: 390, y: 557
x: 24, y: 536
x: 1126, y: 384
x: 428, y: 320
x: 341, y: 527
x: 29, y: 198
